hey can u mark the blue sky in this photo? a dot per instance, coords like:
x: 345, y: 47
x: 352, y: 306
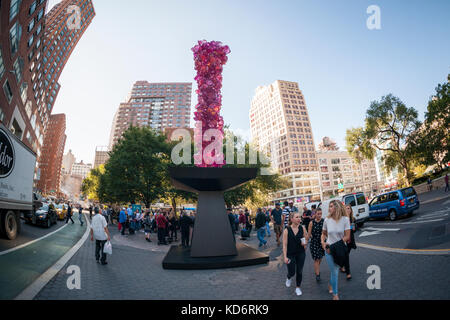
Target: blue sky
x: 325, y: 46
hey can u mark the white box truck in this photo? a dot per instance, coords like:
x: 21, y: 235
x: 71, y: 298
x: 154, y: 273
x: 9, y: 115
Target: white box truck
x: 17, y: 163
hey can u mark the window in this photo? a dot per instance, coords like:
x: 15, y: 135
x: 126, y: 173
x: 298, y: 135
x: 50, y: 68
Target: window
x: 2, y: 65
x: 14, y: 9
x: 409, y: 192
x: 14, y: 37
x: 383, y: 198
x: 31, y: 25
x: 360, y: 199
x: 40, y: 14
x: 32, y: 8
x: 8, y: 91
x: 393, y: 196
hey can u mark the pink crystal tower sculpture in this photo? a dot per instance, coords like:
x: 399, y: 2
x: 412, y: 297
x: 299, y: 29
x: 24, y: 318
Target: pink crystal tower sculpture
x: 209, y: 57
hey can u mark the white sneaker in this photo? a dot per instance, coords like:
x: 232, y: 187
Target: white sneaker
x: 288, y: 283
x: 298, y: 291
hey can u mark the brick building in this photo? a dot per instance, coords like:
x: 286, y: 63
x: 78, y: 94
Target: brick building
x: 52, y: 155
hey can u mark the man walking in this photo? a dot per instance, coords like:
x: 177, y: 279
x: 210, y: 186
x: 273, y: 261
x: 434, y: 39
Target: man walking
x: 276, y: 221
x: 80, y: 215
x: 90, y: 212
x: 69, y: 214
x: 99, y: 231
x: 447, y: 187
x: 260, y: 226
x: 122, y: 221
x: 161, y: 223
x: 267, y: 213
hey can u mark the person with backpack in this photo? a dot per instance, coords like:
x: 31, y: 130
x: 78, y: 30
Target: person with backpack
x: 295, y: 240
x: 260, y: 226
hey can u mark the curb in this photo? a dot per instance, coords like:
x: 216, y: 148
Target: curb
x: 33, y: 289
x: 437, y: 252
x: 435, y: 199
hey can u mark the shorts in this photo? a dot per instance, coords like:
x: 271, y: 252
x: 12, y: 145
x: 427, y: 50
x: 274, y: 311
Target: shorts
x: 277, y: 228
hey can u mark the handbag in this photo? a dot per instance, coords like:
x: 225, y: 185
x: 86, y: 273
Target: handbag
x: 107, y: 248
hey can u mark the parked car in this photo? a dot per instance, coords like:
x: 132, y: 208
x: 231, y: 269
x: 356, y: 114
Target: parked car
x: 45, y: 216
x: 358, y: 203
x: 394, y: 204
x: 61, y: 210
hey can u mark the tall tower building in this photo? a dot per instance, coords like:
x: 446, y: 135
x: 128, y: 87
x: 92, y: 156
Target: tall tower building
x: 65, y: 25
x: 156, y: 105
x: 101, y: 156
x: 67, y: 163
x: 281, y: 127
x: 52, y: 155
x: 21, y: 42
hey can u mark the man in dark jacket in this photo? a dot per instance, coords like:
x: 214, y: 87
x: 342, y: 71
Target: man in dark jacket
x: 69, y: 214
x: 231, y: 219
x: 185, y: 225
x: 260, y: 226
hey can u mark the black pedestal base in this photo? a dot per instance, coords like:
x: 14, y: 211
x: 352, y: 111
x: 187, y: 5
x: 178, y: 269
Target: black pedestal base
x: 179, y: 258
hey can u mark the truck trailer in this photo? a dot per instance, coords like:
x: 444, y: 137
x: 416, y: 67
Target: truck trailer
x: 17, y: 164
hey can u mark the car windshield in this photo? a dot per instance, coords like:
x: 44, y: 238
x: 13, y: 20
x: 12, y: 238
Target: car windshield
x: 409, y: 192
x: 44, y: 208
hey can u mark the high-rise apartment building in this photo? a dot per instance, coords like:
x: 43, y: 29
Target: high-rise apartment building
x: 52, y: 154
x: 21, y: 42
x: 67, y: 163
x: 101, y: 156
x: 281, y: 127
x: 156, y: 105
x: 63, y: 30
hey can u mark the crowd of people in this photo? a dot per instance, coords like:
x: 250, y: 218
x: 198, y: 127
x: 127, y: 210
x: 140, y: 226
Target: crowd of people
x: 331, y: 237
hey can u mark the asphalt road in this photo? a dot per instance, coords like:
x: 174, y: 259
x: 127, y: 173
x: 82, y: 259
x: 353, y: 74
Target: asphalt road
x: 427, y: 229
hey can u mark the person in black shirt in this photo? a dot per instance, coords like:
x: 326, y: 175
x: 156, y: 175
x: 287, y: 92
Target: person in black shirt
x: 185, y: 226
x: 294, y: 246
x: 306, y: 219
x: 69, y: 214
x: 276, y: 220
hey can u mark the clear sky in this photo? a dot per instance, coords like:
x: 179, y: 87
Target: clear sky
x: 325, y: 46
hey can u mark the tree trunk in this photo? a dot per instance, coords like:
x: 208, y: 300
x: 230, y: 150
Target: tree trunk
x: 406, y: 172
x: 174, y: 205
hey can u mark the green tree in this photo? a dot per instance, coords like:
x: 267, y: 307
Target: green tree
x: 90, y: 185
x: 431, y: 142
x: 389, y: 124
x: 137, y: 168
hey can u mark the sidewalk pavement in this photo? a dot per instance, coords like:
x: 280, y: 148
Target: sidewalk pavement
x: 134, y: 272
x: 433, y: 195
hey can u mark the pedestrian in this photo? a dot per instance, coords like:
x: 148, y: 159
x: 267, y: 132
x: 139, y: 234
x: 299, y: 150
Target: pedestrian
x: 292, y: 208
x: 336, y: 228
x: 90, y: 212
x: 147, y: 226
x: 247, y: 216
x: 132, y: 222
x: 260, y: 226
x: 306, y: 218
x: 173, y: 226
x: 294, y: 246
x: 447, y: 187
x: 161, y: 223
x: 313, y: 211
x: 286, y: 214
x: 430, y: 184
x: 351, y: 244
x: 80, y: 215
x: 69, y: 213
x: 242, y: 219
x: 123, y: 220
x: 231, y: 219
x: 267, y: 213
x: 138, y: 220
x: 276, y: 221
x: 314, y: 234
x: 99, y: 232
x: 185, y: 228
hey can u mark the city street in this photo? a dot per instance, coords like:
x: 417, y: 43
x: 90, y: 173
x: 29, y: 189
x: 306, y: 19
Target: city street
x: 135, y: 269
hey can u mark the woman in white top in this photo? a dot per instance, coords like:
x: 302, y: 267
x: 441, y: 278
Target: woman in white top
x: 336, y: 227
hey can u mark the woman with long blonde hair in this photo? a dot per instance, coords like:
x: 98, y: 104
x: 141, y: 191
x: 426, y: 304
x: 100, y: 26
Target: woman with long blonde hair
x: 336, y: 227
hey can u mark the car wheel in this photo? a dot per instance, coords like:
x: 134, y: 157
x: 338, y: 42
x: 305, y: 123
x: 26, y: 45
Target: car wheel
x: 392, y: 215
x: 10, y: 227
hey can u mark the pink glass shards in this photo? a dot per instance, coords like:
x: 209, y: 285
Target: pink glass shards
x: 209, y: 58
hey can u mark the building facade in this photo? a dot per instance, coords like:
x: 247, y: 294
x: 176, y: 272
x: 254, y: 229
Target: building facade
x: 281, y: 128
x: 21, y: 43
x: 81, y: 169
x: 52, y: 154
x: 101, y: 156
x: 340, y: 174
x: 156, y: 105
x: 67, y: 163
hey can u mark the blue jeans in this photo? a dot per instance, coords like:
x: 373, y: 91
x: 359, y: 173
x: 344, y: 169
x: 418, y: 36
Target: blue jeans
x: 334, y: 268
x: 80, y: 217
x: 261, y: 233
x: 268, y: 228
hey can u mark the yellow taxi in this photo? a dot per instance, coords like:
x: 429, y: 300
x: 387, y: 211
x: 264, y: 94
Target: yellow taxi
x: 61, y: 210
